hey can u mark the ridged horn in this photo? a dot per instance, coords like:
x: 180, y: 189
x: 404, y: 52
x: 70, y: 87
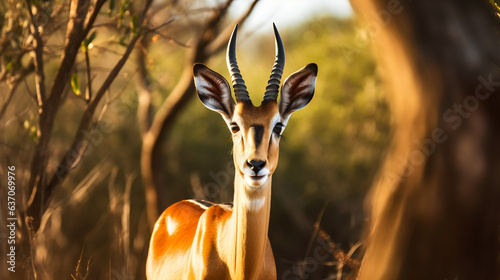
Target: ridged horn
x: 273, y: 85
x: 240, y: 90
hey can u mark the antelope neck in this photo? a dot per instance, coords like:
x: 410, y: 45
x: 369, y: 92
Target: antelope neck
x: 249, y: 227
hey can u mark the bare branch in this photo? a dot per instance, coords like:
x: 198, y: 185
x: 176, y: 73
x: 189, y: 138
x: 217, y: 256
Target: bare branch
x: 155, y: 29
x: 170, y: 39
x: 88, y: 91
x: 67, y: 162
x: 174, y: 101
x: 14, y: 86
x: 10, y: 94
x: 317, y: 227
x: 220, y: 42
x: 89, y: 23
x: 75, y: 35
x: 37, y: 54
x: 341, y: 256
x: 144, y: 109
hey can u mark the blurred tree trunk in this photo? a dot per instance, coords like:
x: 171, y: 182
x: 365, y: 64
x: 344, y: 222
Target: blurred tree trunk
x: 435, y: 212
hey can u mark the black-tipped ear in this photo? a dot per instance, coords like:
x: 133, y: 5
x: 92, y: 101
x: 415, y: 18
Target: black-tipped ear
x: 298, y: 90
x: 213, y: 90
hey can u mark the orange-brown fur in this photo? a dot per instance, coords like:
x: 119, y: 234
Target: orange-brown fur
x: 173, y: 251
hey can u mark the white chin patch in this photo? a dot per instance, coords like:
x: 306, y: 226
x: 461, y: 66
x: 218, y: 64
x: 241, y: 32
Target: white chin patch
x: 255, y: 181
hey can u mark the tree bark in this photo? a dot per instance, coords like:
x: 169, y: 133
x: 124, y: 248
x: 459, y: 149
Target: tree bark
x: 435, y: 212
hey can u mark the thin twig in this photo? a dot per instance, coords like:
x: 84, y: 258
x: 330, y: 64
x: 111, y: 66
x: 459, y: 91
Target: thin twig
x: 89, y: 24
x: 74, y: 36
x: 125, y: 217
x: 220, y: 42
x: 168, y: 38
x: 38, y: 59
x: 112, y: 75
x: 104, y: 49
x: 14, y: 86
x: 120, y: 91
x: 28, y: 91
x: 316, y: 227
x: 78, y: 275
x: 343, y: 258
x: 31, y: 238
x: 10, y: 94
x: 155, y: 29
x: 144, y: 107
x: 88, y: 91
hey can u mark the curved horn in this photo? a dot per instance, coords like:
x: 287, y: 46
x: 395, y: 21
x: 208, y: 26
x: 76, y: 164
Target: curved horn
x: 273, y: 85
x: 240, y: 90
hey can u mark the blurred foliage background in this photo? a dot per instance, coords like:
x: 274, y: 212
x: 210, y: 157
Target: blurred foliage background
x: 329, y: 156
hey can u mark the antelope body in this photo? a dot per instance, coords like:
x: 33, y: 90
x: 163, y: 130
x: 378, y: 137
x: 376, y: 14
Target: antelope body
x: 195, y: 239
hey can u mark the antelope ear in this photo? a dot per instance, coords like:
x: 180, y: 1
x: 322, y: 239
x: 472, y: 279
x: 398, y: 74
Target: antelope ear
x: 298, y: 90
x: 213, y: 90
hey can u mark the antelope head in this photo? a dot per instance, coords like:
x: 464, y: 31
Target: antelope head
x: 256, y: 131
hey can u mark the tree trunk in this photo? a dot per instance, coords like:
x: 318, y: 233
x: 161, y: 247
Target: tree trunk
x: 435, y: 212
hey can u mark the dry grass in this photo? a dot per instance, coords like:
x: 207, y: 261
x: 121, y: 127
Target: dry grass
x: 111, y: 249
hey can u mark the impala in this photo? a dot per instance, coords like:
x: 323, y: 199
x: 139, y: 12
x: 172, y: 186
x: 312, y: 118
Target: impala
x: 196, y: 239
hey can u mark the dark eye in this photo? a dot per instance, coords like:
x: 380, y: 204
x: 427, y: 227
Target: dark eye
x: 234, y: 127
x: 278, y: 128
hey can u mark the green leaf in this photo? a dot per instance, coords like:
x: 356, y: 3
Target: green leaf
x: 33, y: 133
x: 123, y: 8
x: 133, y: 22
x: 9, y: 66
x: 90, y: 39
x: 495, y: 5
x: 86, y: 42
x: 75, y: 84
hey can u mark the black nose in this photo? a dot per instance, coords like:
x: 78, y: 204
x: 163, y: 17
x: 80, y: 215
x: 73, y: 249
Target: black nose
x: 256, y: 165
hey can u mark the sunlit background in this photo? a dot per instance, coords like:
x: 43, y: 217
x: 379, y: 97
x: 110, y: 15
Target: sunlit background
x: 293, y: 12
x: 329, y: 154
